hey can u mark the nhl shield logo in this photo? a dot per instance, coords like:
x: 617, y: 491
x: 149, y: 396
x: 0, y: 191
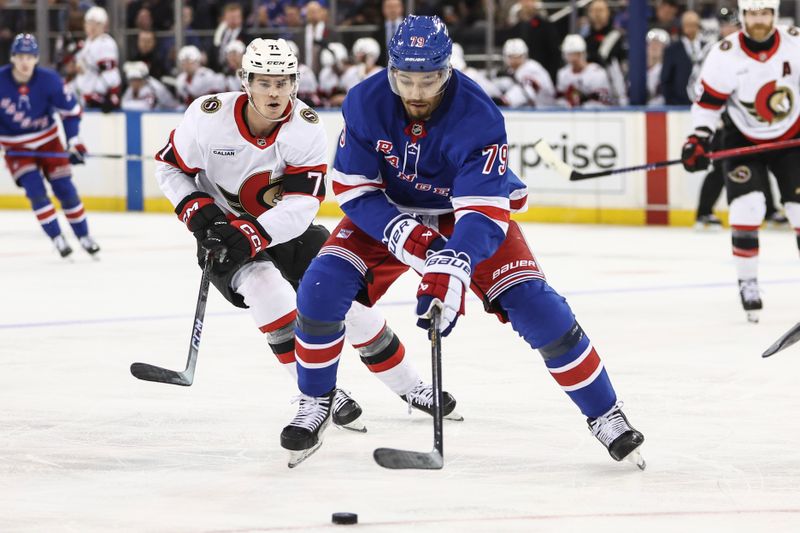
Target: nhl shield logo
x: 416, y: 130
x: 261, y: 142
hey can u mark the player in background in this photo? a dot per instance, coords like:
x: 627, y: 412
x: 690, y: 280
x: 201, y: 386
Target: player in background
x: 98, y: 81
x: 526, y: 82
x: 366, y: 52
x: 421, y: 172
x: 457, y: 61
x: 234, y: 51
x: 145, y: 93
x: 246, y: 170
x: 29, y: 97
x: 580, y: 83
x: 753, y: 75
x: 657, y: 41
x: 308, y: 88
x: 195, y: 80
x: 333, y: 60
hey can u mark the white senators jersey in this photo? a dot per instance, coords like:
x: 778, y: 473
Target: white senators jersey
x: 588, y: 88
x: 203, y: 82
x: 98, y: 68
x: 759, y: 89
x: 153, y: 95
x: 532, y: 87
x: 355, y: 74
x: 279, y: 179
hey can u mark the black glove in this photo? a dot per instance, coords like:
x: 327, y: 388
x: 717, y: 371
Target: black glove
x: 242, y: 239
x: 199, y: 212
x: 77, y: 152
x: 694, y: 154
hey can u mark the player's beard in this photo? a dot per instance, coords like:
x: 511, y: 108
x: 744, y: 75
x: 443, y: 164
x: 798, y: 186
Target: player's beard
x: 759, y: 32
x: 421, y: 109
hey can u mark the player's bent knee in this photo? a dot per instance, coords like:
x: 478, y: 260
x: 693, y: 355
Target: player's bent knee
x: 33, y: 183
x: 748, y: 210
x: 63, y: 188
x: 537, y: 313
x: 328, y: 289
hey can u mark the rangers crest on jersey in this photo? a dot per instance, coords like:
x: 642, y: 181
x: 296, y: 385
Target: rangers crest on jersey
x: 258, y: 193
x: 773, y: 103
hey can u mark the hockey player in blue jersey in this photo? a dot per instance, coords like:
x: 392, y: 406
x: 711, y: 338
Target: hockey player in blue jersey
x: 421, y: 174
x: 29, y: 96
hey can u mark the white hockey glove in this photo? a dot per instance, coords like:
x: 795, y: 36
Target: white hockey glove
x: 409, y: 241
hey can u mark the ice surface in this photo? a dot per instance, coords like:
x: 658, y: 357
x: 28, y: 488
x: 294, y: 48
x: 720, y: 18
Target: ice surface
x: 86, y: 447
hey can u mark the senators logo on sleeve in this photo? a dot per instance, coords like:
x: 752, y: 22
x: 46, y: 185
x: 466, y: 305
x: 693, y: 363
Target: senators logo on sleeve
x: 211, y: 105
x: 309, y: 115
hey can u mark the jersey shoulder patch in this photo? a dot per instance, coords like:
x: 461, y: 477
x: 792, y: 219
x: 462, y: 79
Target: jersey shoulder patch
x: 309, y: 115
x: 211, y: 105
x: 725, y: 45
x: 793, y: 31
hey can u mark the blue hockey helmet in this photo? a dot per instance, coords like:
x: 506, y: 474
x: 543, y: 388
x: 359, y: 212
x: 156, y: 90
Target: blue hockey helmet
x: 25, y: 43
x: 420, y: 44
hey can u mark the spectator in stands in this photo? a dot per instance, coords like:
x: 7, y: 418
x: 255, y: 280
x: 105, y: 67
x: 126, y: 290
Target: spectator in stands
x: 292, y: 27
x: 159, y: 12
x: 580, y: 83
x: 603, y: 42
x: 526, y: 82
x: 269, y: 13
x: 194, y: 79
x: 230, y: 29
x: 146, y: 53
x: 316, y: 34
x: 667, y: 17
x: 538, y: 33
x: 144, y: 20
x: 145, y: 93
x: 98, y: 81
x: 393, y: 12
x: 680, y: 58
x: 657, y: 42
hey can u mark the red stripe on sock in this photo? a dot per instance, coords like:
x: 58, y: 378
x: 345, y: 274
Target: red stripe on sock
x: 278, y: 324
x: 573, y: 376
x: 373, y: 339
x: 392, y: 362
x: 47, y: 214
x: 312, y: 355
x: 741, y: 252
x: 285, y: 358
x: 76, y: 214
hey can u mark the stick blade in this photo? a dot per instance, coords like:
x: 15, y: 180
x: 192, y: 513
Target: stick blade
x: 786, y: 340
x: 552, y: 160
x: 148, y: 372
x: 405, y: 459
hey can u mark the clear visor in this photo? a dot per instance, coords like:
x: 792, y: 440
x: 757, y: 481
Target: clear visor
x: 418, y: 85
x: 267, y: 85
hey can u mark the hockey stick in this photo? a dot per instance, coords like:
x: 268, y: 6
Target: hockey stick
x: 148, y: 372
x: 433, y: 460
x: 65, y: 155
x: 547, y: 155
x: 786, y: 340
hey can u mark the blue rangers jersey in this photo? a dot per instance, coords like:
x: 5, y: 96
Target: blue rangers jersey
x: 455, y: 162
x: 26, y: 110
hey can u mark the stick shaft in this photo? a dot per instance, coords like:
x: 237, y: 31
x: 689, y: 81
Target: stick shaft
x: 65, y: 155
x: 436, y: 370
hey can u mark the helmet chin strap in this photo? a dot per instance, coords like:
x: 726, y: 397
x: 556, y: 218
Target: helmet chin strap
x: 246, y: 85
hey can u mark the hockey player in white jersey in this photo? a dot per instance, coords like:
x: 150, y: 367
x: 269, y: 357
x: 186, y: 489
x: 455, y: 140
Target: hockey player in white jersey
x: 478, y: 76
x: 145, y: 93
x: 308, y: 88
x: 195, y: 80
x: 526, y: 82
x: 98, y: 81
x: 754, y: 75
x: 246, y: 172
x: 657, y: 42
x: 580, y: 83
x: 333, y: 60
x: 234, y: 51
x: 366, y: 52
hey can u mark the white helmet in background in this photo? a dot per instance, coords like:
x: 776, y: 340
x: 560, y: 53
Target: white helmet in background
x: 96, y: 14
x: 515, y: 47
x: 658, y: 35
x: 368, y: 47
x: 190, y: 54
x: 334, y: 54
x: 457, y: 57
x: 294, y: 48
x: 136, y: 70
x: 273, y: 57
x: 755, y: 5
x: 234, y: 46
x: 573, y: 44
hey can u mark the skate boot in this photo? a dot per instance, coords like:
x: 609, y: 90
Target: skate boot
x: 347, y: 412
x: 617, y: 435
x: 89, y: 245
x: 421, y: 398
x: 708, y: 223
x: 751, y: 298
x: 62, y: 245
x: 303, y: 436
x: 777, y: 220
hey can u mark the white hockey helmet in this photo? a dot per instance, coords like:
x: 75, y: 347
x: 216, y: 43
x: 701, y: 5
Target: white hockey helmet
x: 754, y: 5
x: 190, y: 54
x: 658, y: 35
x: 334, y: 54
x: 573, y: 44
x: 457, y: 57
x: 235, y: 46
x: 96, y: 14
x: 367, y: 46
x: 136, y: 70
x: 294, y: 48
x: 269, y: 56
x: 515, y: 47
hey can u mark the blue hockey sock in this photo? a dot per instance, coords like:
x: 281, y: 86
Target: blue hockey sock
x: 43, y: 208
x: 544, y: 319
x: 71, y: 204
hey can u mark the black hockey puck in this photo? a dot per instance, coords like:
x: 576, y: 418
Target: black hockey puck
x: 344, y: 518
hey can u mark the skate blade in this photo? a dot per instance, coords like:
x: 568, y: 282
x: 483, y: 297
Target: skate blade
x: 708, y: 228
x: 454, y: 416
x: 752, y: 316
x: 636, y: 458
x: 297, y: 457
x: 356, y: 425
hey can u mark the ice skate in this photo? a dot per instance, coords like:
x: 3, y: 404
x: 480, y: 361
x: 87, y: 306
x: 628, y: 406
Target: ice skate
x: 777, y: 220
x: 303, y: 436
x: 421, y: 398
x: 708, y: 223
x: 347, y: 412
x: 62, y: 245
x: 617, y: 435
x: 751, y: 299
x: 89, y: 245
